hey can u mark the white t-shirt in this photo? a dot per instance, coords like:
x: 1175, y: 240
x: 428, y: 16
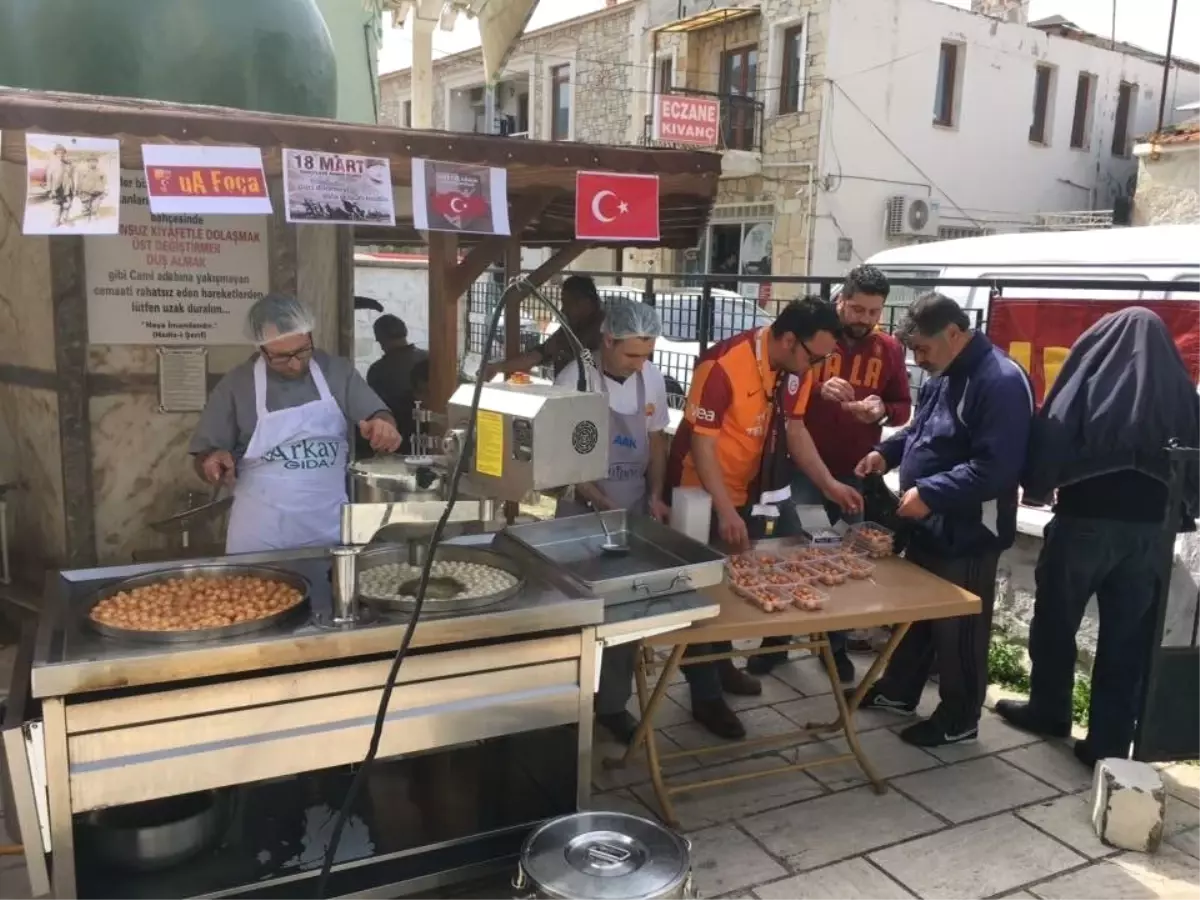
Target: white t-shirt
x: 622, y: 396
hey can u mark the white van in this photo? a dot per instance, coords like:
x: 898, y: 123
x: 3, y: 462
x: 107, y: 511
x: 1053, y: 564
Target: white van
x: 1039, y: 332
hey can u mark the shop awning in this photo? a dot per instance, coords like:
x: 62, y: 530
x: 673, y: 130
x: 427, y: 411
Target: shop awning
x: 708, y: 19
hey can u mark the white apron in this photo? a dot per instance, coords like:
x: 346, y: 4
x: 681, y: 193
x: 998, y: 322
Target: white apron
x: 291, y: 483
x: 628, y: 459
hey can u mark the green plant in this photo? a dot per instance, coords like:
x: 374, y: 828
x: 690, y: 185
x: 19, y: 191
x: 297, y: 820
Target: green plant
x: 1081, y: 698
x: 1006, y: 663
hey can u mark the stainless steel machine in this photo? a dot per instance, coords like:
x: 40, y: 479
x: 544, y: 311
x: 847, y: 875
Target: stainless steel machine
x: 488, y: 732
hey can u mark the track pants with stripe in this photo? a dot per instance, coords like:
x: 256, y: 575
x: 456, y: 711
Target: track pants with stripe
x: 955, y: 648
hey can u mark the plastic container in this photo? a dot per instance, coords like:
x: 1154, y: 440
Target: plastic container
x: 765, y: 576
x: 872, y: 537
x: 751, y: 560
x: 806, y: 597
x: 810, y: 552
x: 827, y: 571
x: 768, y: 599
x: 857, y: 565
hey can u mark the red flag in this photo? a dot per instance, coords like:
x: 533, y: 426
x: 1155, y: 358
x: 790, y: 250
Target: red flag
x: 616, y: 207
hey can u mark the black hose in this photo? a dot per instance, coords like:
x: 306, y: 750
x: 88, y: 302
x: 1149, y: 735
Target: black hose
x: 360, y: 776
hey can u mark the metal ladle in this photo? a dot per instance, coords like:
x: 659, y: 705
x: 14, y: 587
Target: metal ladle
x: 610, y: 545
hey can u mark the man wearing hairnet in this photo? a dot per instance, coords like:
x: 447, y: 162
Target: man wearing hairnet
x: 276, y: 428
x: 637, y: 465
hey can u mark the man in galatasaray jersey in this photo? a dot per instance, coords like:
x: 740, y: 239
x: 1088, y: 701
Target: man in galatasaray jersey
x: 719, y: 446
x: 861, y: 387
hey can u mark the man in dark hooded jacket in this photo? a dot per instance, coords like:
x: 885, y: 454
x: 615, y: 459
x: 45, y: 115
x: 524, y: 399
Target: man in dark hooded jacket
x: 1122, y: 394
x: 960, y: 463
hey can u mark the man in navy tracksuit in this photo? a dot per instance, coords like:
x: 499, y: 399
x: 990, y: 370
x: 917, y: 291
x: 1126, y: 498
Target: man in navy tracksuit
x: 960, y: 463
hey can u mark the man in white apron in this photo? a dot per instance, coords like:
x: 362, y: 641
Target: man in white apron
x: 276, y: 429
x: 637, y: 459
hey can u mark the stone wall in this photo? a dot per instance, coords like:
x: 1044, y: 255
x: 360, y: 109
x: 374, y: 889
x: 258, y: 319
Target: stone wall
x: 600, y: 49
x: 1168, y: 192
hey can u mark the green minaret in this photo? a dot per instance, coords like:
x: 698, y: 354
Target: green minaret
x: 265, y: 55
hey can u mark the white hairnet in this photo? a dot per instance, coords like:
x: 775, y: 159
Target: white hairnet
x: 631, y: 320
x: 275, y: 316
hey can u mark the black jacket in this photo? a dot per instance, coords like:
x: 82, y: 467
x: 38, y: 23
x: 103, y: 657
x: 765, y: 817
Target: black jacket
x: 1122, y: 394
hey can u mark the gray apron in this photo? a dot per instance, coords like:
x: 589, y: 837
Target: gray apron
x: 628, y: 459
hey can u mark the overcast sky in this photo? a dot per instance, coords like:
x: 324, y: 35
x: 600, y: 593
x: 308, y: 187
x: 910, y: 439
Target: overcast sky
x: 1141, y: 22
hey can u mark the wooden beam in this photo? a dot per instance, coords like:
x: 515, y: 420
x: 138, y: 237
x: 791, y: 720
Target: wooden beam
x: 562, y: 257
x: 443, y: 320
x: 524, y: 210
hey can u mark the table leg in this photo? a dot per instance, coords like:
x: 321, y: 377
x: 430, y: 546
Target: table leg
x: 877, y: 666
x: 646, y: 731
x: 648, y: 708
x: 845, y: 716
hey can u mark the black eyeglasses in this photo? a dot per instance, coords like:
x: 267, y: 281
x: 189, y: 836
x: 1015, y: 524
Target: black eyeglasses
x: 302, y: 355
x: 813, y: 359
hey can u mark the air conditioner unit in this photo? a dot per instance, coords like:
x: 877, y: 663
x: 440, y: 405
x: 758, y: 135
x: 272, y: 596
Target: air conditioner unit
x: 914, y: 216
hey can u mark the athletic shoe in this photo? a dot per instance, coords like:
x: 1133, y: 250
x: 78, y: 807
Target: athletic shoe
x: 932, y: 733
x: 1025, y: 717
x: 873, y: 699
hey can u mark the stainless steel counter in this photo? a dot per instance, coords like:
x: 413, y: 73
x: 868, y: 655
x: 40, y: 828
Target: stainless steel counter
x: 71, y: 658
x: 122, y: 722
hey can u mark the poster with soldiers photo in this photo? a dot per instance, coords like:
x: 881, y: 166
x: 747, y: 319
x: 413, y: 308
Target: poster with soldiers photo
x: 337, y: 188
x: 458, y: 197
x: 72, y: 185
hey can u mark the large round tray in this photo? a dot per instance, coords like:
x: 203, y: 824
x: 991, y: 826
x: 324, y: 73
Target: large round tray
x: 268, y: 573
x: 398, y: 553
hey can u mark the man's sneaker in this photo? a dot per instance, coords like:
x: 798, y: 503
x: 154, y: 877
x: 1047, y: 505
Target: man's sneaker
x: 718, y: 718
x: 845, y: 667
x: 873, y: 699
x: 932, y: 732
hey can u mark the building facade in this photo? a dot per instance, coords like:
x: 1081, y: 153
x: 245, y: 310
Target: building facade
x: 356, y: 30
x: 846, y: 126
x: 1168, y: 192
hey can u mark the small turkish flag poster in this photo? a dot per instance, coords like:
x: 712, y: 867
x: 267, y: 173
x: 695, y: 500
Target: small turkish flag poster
x: 612, y: 206
x: 458, y: 197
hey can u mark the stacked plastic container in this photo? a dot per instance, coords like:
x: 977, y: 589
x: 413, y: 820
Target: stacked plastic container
x: 793, y: 575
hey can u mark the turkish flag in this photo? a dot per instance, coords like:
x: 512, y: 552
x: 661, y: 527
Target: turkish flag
x: 459, y: 206
x: 611, y: 206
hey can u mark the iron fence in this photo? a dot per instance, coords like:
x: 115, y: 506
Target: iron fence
x: 698, y: 310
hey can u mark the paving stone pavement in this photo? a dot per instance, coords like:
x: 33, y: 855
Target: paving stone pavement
x: 1007, y: 816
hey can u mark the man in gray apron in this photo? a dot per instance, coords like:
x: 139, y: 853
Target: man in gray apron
x: 637, y: 460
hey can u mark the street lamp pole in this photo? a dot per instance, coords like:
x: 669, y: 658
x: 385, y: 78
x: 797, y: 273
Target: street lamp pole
x: 1162, y: 100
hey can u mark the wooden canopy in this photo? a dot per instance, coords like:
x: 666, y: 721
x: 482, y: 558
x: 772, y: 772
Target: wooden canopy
x: 541, y: 174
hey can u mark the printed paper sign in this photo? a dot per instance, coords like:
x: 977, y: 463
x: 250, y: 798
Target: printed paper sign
x: 71, y: 184
x: 450, y: 196
x: 679, y: 119
x: 337, y: 189
x: 189, y: 178
x: 612, y: 206
x: 173, y: 279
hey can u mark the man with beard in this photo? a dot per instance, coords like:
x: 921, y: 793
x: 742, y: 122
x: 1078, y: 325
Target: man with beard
x: 863, y: 386
x: 721, y: 445
x: 584, y: 313
x: 960, y: 462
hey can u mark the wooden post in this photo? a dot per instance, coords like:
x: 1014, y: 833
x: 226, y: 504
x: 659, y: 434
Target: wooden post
x: 512, y: 331
x: 443, y: 320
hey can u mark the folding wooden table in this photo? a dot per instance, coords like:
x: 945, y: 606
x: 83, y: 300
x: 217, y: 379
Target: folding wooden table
x: 898, y: 594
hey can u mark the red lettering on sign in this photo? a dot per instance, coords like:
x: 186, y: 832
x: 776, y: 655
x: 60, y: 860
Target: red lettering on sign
x: 679, y: 119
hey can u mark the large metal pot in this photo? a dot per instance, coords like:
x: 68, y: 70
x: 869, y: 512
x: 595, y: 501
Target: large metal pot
x: 157, y: 834
x: 397, y: 479
x: 604, y: 856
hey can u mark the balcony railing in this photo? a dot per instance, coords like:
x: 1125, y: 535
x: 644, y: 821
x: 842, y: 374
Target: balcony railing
x: 741, y: 122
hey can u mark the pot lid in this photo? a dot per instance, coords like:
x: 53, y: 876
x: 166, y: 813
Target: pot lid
x: 605, y: 856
